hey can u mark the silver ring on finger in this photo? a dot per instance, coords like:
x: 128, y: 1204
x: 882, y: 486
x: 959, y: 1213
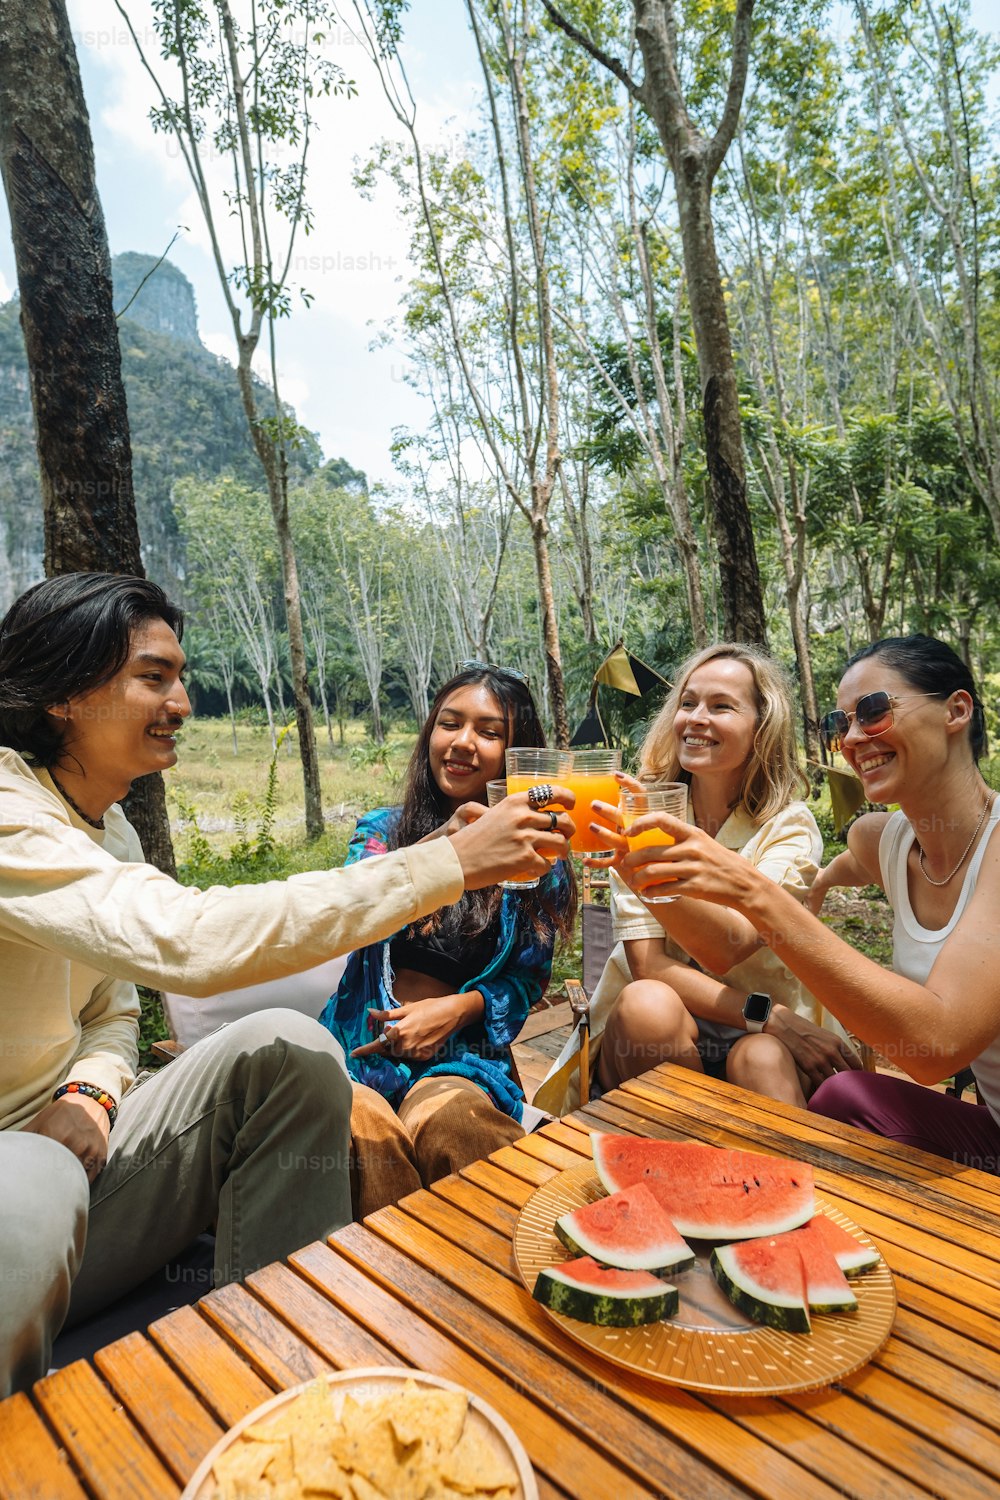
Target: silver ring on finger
x: 553, y: 820
x: 382, y: 1039
x: 539, y: 795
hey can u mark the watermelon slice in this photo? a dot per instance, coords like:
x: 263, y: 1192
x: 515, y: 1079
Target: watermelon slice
x: 709, y: 1194
x: 591, y: 1293
x: 629, y: 1230
x: 851, y: 1256
x: 769, y: 1279
x: 766, y: 1280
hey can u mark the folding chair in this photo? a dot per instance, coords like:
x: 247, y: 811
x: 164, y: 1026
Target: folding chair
x: 597, y: 942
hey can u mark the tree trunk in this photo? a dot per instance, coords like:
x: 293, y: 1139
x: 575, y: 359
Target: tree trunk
x: 739, y: 575
x: 70, y: 334
x: 553, y: 664
x: 693, y: 162
x: 277, y: 490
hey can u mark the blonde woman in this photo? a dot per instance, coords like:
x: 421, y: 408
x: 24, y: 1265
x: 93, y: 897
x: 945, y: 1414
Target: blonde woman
x: 692, y: 983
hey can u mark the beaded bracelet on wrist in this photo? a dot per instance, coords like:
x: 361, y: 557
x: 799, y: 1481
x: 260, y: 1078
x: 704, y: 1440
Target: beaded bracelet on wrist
x: 90, y: 1091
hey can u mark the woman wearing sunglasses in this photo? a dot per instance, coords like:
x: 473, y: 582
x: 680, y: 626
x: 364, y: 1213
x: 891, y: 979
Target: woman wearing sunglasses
x: 426, y: 1018
x: 699, y: 987
x: 910, y: 724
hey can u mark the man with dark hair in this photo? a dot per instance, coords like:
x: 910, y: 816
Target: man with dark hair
x: 249, y: 1127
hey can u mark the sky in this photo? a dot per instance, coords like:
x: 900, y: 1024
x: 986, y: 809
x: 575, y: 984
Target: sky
x: 353, y: 263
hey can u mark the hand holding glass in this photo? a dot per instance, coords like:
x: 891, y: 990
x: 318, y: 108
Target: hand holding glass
x: 529, y: 766
x: 670, y: 798
x: 496, y: 791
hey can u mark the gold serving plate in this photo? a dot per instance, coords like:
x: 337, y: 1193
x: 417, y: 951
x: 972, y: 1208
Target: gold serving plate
x: 709, y: 1345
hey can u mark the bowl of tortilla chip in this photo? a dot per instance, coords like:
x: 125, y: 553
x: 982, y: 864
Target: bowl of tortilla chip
x: 373, y: 1434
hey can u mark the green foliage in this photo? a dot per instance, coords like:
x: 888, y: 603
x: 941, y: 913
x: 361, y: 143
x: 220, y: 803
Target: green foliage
x: 255, y: 855
x: 371, y: 756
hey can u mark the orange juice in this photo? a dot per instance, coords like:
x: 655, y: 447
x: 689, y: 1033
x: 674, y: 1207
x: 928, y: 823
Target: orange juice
x: 524, y: 784
x: 589, y: 787
x: 670, y: 799
x: 653, y: 838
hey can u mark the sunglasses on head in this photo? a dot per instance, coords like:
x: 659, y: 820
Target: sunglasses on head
x: 874, y: 715
x: 491, y: 666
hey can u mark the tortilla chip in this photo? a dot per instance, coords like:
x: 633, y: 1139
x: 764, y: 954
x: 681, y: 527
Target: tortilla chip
x: 434, y: 1417
x: 475, y: 1465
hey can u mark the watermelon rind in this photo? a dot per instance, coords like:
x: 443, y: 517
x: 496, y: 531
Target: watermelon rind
x: 788, y: 1311
x: 709, y: 1193
x: 628, y: 1230
x: 605, y: 1297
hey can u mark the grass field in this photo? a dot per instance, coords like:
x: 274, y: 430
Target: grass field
x: 223, y: 788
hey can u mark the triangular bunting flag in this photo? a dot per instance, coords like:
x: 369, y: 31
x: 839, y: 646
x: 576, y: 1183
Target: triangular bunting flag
x: 591, y: 731
x: 621, y: 670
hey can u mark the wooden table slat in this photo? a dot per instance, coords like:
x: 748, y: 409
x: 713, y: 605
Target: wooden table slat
x: 476, y: 1202
x: 111, y: 1455
x: 224, y: 1381
x: 170, y: 1416
x: 264, y: 1341
x: 512, y: 1190
x: 543, y: 1147
x: 487, y: 1245
x: 32, y: 1466
x: 522, y: 1164
x: 331, y: 1336
x: 947, y: 1349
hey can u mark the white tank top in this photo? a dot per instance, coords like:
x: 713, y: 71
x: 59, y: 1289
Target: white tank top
x: 914, y: 948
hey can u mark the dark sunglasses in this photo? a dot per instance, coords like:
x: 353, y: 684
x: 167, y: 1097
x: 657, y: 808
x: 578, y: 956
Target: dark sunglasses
x: 491, y: 666
x: 873, y: 712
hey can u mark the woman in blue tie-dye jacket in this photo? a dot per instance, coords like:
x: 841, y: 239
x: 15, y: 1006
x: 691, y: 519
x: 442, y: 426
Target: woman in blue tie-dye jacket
x: 426, y: 1018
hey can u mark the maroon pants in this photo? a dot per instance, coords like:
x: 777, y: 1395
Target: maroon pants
x: 913, y: 1115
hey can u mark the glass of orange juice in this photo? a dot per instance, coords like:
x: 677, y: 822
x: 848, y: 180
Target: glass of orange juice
x: 496, y: 791
x: 529, y: 766
x: 670, y: 797
x: 592, y: 778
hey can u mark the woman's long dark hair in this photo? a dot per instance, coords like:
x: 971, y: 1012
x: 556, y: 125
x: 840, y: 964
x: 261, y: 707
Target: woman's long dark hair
x: 425, y: 807
x: 63, y: 637
x: 931, y: 667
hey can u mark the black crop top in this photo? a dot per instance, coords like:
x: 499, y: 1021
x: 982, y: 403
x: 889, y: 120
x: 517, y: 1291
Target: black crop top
x: 442, y: 955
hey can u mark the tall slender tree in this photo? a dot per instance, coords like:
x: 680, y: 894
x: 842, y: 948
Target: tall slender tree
x: 67, y: 314
x: 695, y: 158
x: 247, y: 93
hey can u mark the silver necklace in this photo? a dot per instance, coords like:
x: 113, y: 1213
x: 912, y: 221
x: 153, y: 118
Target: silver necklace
x: 975, y: 833
x: 97, y: 823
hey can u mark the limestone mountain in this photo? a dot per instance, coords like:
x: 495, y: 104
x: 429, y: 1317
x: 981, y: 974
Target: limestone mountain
x: 185, y: 416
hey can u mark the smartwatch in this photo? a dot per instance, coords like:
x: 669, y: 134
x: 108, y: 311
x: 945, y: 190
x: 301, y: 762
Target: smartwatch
x: 756, y: 1010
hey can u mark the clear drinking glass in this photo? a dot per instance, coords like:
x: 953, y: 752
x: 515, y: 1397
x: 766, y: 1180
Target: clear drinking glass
x: 670, y: 798
x: 496, y: 791
x: 592, y: 778
x: 528, y: 766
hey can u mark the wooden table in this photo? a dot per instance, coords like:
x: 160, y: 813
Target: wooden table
x: 431, y: 1283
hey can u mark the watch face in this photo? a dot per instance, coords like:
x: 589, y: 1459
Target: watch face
x: 757, y: 1007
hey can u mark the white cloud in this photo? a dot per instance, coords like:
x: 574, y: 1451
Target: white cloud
x: 219, y: 343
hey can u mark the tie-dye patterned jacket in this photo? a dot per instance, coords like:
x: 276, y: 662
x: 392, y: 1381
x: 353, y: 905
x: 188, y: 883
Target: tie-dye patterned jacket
x: 514, y: 978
